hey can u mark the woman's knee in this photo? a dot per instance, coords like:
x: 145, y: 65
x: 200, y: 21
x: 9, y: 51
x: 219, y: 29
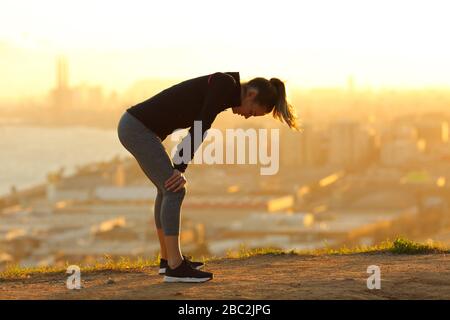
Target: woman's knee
x: 159, y: 191
x: 176, y: 194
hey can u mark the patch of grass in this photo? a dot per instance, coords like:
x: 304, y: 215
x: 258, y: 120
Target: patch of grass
x: 398, y: 246
x: 16, y: 272
x: 244, y: 252
x: 123, y: 264
x: 405, y: 246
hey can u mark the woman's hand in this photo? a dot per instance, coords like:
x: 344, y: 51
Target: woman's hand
x: 176, y: 181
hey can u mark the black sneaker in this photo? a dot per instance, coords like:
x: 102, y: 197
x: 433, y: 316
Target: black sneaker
x: 186, y: 273
x: 163, y: 263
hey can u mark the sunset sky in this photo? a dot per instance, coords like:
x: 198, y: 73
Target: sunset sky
x: 306, y: 43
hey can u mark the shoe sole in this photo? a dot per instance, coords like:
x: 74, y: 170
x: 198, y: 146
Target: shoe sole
x: 185, y: 279
x: 162, y: 271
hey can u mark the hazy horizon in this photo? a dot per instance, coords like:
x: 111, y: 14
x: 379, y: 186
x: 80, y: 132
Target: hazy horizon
x: 380, y: 45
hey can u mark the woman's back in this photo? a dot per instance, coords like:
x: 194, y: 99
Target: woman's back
x: 179, y: 105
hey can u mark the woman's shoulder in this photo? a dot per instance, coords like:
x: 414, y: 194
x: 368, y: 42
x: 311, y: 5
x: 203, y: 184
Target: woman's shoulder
x: 222, y: 78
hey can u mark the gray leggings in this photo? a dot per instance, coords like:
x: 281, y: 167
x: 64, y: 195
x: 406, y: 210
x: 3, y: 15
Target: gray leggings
x: 153, y: 159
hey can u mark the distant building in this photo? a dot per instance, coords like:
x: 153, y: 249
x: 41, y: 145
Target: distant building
x: 398, y: 152
x: 399, y: 145
x: 61, y: 95
x: 349, y: 143
x: 64, y: 97
x: 312, y: 147
x: 433, y: 130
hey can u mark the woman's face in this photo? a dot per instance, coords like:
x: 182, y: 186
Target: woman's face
x: 248, y: 107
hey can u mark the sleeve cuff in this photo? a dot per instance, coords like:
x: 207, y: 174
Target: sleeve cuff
x: 180, y: 167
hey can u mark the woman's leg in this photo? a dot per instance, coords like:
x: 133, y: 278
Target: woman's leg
x: 162, y: 243
x: 171, y: 204
x: 173, y: 251
x: 153, y: 159
x: 159, y: 229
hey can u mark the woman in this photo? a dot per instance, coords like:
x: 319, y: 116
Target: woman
x: 144, y: 126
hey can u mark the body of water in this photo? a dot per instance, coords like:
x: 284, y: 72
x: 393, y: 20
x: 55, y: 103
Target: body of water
x: 28, y: 153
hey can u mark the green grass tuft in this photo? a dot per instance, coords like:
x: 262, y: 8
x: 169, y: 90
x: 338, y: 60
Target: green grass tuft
x: 405, y: 246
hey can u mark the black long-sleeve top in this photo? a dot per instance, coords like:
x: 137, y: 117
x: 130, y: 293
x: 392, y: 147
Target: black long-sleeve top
x: 197, y: 99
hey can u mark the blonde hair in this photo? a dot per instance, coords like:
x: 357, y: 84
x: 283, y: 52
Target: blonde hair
x: 272, y: 95
x: 283, y: 110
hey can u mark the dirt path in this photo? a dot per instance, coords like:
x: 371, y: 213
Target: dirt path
x: 260, y: 277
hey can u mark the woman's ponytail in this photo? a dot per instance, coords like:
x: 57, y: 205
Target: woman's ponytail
x: 282, y: 110
x: 272, y: 95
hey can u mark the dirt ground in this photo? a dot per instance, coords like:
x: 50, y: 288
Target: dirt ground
x: 259, y: 277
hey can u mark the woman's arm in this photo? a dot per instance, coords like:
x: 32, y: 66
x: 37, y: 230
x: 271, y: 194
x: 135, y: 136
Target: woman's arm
x: 220, y: 86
